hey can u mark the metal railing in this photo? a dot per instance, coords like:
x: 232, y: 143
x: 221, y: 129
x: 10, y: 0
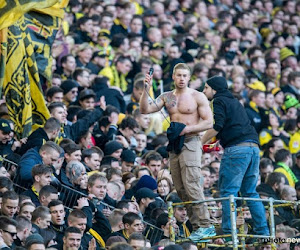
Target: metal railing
x: 69, y: 197
x: 233, y: 209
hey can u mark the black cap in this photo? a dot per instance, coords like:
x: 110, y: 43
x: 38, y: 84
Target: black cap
x: 34, y: 239
x: 149, y: 12
x: 67, y: 85
x: 86, y: 93
x: 146, y: 181
x: 128, y: 156
x: 145, y: 193
x: 111, y: 147
x: 217, y: 83
x: 4, y: 126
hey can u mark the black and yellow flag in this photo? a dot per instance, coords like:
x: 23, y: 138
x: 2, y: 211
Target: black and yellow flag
x: 27, y: 31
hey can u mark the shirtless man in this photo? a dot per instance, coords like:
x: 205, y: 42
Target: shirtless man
x: 190, y: 110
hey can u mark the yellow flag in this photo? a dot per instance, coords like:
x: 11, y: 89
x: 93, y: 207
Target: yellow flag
x: 12, y: 10
x: 27, y: 31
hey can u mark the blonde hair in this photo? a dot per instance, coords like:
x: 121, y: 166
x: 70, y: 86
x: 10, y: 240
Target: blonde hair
x: 181, y: 66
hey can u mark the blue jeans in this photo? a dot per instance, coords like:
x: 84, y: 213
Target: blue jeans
x: 239, y: 171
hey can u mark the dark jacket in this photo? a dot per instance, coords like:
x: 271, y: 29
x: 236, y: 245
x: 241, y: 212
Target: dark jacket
x: 60, y: 231
x: 101, y: 224
x: 5, y: 149
x: 102, y: 138
x: 27, y: 162
x: 112, y: 96
x: 296, y: 171
x: 254, y: 116
x: 34, y: 198
x: 175, y: 141
x: 265, y: 188
x: 81, y: 37
x: 75, y: 130
x: 36, y: 139
x: 85, y: 241
x: 231, y: 120
x: 289, y: 89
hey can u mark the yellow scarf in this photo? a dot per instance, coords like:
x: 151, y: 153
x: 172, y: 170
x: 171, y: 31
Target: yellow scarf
x: 97, y: 237
x: 34, y: 191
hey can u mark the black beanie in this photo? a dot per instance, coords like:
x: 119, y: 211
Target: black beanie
x: 67, y: 85
x: 111, y: 147
x: 217, y: 83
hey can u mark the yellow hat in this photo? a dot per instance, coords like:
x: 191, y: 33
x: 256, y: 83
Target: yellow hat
x: 257, y: 85
x: 275, y: 91
x: 285, y: 53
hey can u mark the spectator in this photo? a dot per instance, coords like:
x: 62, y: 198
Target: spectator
x: 82, y: 77
x: 115, y: 219
x: 265, y: 169
x: 5, y: 129
x: 41, y: 175
x: 54, y: 94
x: 68, y: 65
x: 117, y: 73
x: 26, y: 210
x: 92, y: 158
x: 257, y: 100
x: 34, y: 241
x: 41, y: 219
x: 154, y: 162
x: 41, y: 135
x: 78, y: 219
x: 9, y: 205
x: 47, y: 194
x: 75, y: 172
x: 128, y: 160
x: 87, y: 99
x: 48, y: 154
x: 132, y: 223
x: 8, y: 227
x: 273, y: 185
x: 23, y: 230
x: 144, y: 197
x: 70, y: 88
x: 72, y: 238
x: 137, y: 240
x: 284, y: 162
x: 58, y: 224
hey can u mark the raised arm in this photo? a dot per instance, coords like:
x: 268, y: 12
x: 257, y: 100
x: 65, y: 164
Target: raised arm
x: 151, y: 106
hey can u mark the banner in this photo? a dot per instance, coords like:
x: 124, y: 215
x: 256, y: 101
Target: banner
x: 26, y: 36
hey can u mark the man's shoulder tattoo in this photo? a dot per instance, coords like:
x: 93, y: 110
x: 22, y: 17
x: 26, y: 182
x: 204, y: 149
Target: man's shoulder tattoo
x: 170, y: 99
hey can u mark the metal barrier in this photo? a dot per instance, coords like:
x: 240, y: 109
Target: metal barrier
x: 69, y: 197
x: 234, y: 234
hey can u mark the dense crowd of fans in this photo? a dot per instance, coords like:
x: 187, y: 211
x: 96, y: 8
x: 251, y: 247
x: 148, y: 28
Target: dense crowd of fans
x: 98, y: 173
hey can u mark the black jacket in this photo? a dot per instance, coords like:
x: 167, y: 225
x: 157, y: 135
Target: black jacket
x: 34, y: 198
x: 36, y: 139
x: 75, y: 130
x: 231, y: 120
x: 175, y: 141
x: 112, y: 96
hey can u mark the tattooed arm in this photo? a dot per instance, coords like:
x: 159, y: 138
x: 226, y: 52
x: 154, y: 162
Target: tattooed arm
x: 146, y: 104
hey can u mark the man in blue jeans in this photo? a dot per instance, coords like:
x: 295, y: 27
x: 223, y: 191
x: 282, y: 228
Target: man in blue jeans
x: 239, y: 169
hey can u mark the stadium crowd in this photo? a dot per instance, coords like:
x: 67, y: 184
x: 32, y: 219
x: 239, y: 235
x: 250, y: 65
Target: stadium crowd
x: 97, y: 174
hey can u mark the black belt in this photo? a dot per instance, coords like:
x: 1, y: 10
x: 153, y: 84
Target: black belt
x: 247, y: 144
